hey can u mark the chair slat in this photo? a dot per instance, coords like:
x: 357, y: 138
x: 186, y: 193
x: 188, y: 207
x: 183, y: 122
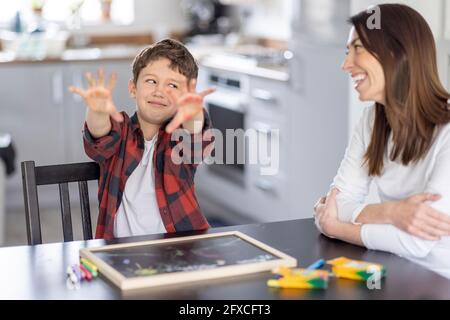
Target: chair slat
x: 30, y: 197
x: 65, y: 211
x: 33, y: 176
x: 72, y: 172
x: 85, y: 210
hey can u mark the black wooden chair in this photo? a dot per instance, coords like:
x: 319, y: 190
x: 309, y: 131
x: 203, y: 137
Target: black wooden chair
x: 33, y: 176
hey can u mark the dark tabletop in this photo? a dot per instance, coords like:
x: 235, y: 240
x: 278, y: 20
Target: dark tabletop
x: 39, y: 272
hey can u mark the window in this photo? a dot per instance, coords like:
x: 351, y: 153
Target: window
x: 60, y: 11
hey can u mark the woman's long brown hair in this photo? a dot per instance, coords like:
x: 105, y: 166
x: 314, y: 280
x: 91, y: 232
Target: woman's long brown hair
x: 416, y: 102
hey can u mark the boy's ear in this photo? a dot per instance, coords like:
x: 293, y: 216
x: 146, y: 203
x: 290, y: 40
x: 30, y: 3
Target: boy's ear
x: 132, y: 88
x: 192, y: 85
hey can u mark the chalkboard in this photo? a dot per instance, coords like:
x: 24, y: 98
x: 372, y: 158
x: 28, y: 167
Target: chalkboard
x: 183, y: 259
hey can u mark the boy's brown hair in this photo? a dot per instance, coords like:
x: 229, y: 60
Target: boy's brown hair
x: 181, y: 59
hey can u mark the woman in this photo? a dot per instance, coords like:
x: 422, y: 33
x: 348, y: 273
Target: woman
x: 402, y: 143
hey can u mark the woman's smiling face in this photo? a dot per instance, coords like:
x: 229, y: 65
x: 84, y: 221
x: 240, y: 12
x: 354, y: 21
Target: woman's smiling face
x: 365, y: 70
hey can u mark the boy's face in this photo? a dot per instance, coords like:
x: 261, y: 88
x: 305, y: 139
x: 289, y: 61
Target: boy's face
x: 153, y: 103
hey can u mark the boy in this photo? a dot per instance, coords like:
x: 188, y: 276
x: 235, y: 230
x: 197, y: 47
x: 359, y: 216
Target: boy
x: 141, y: 190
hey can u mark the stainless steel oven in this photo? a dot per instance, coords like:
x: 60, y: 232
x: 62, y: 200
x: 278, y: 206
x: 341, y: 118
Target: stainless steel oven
x: 227, y: 108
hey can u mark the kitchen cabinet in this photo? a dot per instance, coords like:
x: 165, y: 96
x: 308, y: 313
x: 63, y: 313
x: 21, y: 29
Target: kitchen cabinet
x: 269, y: 114
x: 33, y: 110
x: 33, y: 113
x: 45, y: 120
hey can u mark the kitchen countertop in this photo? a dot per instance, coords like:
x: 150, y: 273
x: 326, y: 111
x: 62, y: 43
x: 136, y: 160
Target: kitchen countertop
x: 224, y: 58
x: 74, y: 55
x: 274, y: 73
x: 218, y: 57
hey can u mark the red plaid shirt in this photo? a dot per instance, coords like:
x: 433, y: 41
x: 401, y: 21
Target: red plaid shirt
x: 120, y: 152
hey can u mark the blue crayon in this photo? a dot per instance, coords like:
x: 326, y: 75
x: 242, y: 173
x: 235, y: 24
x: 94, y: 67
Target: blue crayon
x: 316, y: 265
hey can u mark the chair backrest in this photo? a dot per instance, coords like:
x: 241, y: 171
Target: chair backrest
x: 62, y: 175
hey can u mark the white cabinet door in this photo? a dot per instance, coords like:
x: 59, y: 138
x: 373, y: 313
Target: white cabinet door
x: 32, y: 112
x: 269, y: 116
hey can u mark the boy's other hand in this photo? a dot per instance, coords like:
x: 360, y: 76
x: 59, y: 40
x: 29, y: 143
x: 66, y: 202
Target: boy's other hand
x: 98, y: 95
x: 188, y: 105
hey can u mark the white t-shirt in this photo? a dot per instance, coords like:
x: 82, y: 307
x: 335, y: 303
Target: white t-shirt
x: 431, y: 174
x: 138, y: 213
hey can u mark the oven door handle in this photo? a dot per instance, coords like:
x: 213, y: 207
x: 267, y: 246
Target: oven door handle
x: 227, y: 101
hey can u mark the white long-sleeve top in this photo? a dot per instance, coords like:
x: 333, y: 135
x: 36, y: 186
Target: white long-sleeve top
x: 431, y: 174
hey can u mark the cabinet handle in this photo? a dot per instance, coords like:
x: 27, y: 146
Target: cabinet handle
x: 265, y: 185
x: 262, y: 127
x: 57, y: 87
x: 228, y: 101
x: 263, y: 95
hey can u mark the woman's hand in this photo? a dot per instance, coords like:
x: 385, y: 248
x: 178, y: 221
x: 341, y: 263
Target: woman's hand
x: 328, y: 223
x: 98, y: 95
x: 414, y: 216
x: 189, y: 107
x: 326, y: 216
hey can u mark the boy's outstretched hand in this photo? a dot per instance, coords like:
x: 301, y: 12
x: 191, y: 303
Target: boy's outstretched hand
x: 189, y: 107
x: 98, y: 96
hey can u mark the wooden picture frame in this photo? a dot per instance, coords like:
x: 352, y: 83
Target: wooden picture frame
x: 184, y: 259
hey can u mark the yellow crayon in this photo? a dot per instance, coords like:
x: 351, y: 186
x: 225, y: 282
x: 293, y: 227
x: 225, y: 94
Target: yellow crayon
x: 346, y: 268
x: 86, y: 262
x: 299, y: 278
x: 283, y: 283
x: 297, y: 283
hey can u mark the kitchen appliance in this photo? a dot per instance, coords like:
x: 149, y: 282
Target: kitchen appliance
x: 227, y: 109
x: 206, y: 17
x: 239, y: 192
